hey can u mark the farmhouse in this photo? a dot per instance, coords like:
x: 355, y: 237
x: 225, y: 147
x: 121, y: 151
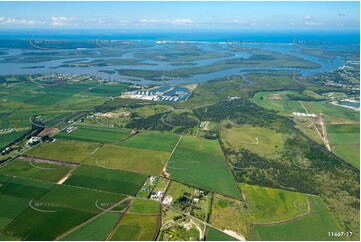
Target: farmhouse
x: 167, y: 200
x: 34, y: 140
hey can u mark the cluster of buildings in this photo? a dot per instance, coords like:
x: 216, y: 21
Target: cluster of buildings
x: 7, y: 130
x: 57, y: 77
x: 311, y: 115
x: 165, y: 93
x: 33, y: 141
x: 157, y: 195
x: 70, y: 129
x: 150, y: 95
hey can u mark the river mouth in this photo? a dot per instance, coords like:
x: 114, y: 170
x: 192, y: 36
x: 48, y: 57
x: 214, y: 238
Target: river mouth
x: 107, y: 63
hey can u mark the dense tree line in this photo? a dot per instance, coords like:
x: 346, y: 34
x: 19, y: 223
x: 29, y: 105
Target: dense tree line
x: 152, y: 122
x: 242, y: 111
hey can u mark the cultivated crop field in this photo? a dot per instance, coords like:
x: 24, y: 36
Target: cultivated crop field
x: 45, y: 226
x: 114, y: 181
x: 35, y: 170
x: 141, y: 222
x: 11, y: 207
x: 142, y: 206
x: 95, y: 230
x: 94, y: 134
x: 23, y: 188
x: 345, y: 141
x: 152, y: 141
x: 81, y: 199
x: 64, y: 150
x: 136, y: 227
x: 130, y: 159
x: 195, y: 160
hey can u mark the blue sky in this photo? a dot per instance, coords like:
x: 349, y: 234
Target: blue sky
x: 179, y: 15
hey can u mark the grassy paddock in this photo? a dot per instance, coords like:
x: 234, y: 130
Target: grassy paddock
x: 262, y: 141
x: 314, y: 226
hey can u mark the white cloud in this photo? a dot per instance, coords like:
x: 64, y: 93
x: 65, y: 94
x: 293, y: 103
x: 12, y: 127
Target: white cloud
x: 312, y: 23
x: 17, y: 21
x: 308, y: 17
x: 237, y: 21
x: 166, y: 21
x: 61, y: 21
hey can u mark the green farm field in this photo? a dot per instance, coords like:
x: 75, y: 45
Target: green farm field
x: 24, y: 188
x: 136, y: 227
x: 8, y: 238
x: 142, y: 206
x: 4, y: 178
x: 350, y: 153
x: 10, y: 208
x: 35, y: 225
x: 343, y: 128
x: 345, y: 142
x: 333, y: 113
x: 94, y: 134
x: 80, y: 199
x: 7, y: 138
x: 314, y: 226
x: 108, y: 89
x: 64, y: 150
x: 115, y: 181
x: 279, y: 101
x: 195, y: 160
x: 153, y: 141
x: 130, y: 159
x: 345, y: 138
x: 94, y: 230
x: 35, y: 170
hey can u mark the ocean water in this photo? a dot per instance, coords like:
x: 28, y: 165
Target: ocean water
x: 334, y: 37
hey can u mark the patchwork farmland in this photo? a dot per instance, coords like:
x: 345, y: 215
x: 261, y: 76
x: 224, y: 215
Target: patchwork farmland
x: 208, y: 143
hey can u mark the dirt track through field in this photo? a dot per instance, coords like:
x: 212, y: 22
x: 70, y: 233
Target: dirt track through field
x: 171, y: 154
